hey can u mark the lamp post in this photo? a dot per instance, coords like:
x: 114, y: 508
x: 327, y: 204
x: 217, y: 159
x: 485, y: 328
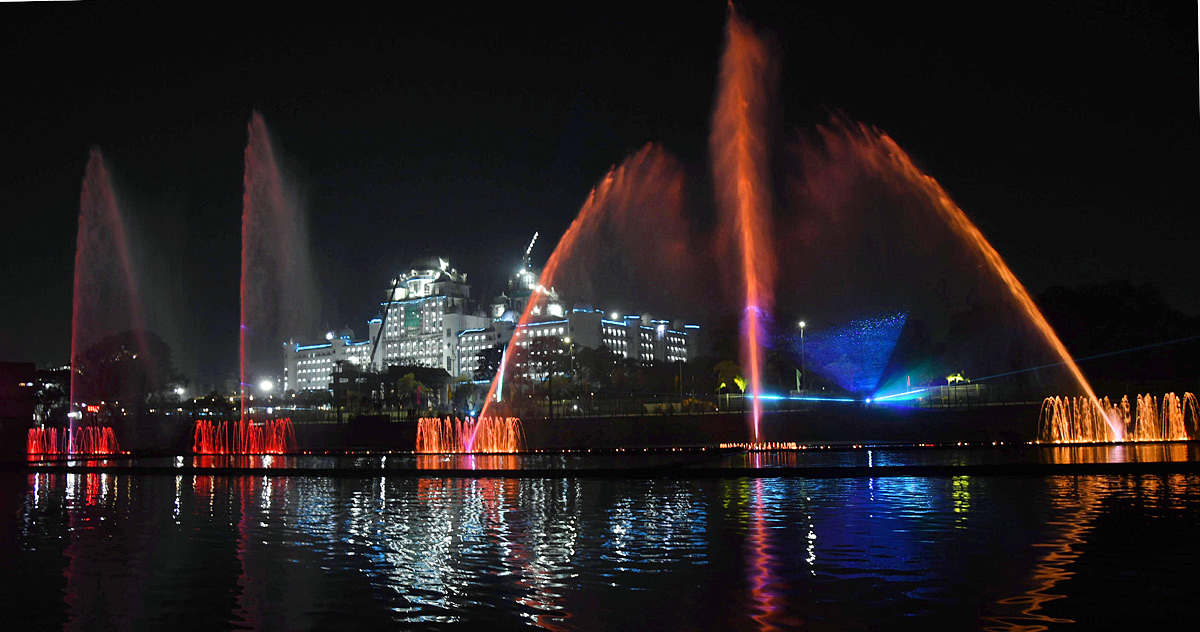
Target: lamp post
x: 803, y: 363
x: 570, y: 369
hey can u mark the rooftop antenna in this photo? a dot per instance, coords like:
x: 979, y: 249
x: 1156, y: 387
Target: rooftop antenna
x: 530, y: 248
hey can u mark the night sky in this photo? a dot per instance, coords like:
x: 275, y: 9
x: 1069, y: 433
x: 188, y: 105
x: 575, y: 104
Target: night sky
x: 1069, y: 133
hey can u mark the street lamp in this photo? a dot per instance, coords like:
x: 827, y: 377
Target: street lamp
x: 803, y: 363
x: 570, y: 363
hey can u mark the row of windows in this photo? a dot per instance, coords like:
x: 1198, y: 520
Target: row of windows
x: 547, y: 331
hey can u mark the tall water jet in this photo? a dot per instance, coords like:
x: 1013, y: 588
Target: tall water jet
x: 740, y: 153
x: 648, y: 184
x: 878, y: 151
x: 104, y: 297
x: 276, y: 290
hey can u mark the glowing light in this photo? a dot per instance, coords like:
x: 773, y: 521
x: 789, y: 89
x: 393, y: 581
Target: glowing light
x: 482, y: 435
x: 88, y: 440
x: 266, y: 386
x: 906, y: 395
x: 801, y: 398
x: 1079, y: 420
x: 273, y: 436
x: 853, y: 355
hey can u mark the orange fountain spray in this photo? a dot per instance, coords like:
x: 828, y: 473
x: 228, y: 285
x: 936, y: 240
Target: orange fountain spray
x: 878, y: 149
x: 648, y: 174
x: 739, y: 148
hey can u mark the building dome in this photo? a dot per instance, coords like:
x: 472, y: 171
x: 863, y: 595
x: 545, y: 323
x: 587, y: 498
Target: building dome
x: 426, y: 262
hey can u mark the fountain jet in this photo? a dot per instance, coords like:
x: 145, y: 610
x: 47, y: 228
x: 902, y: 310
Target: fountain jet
x: 276, y: 289
x: 739, y: 147
x: 648, y: 179
x: 104, y: 293
x: 878, y: 151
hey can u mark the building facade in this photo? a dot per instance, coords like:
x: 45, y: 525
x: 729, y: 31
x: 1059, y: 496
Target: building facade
x: 427, y: 319
x: 423, y: 314
x: 310, y: 367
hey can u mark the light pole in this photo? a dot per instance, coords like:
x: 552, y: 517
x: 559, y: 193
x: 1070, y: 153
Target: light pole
x: 803, y: 363
x: 570, y: 370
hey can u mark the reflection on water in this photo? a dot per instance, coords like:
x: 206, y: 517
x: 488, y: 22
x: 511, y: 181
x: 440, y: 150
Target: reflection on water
x: 104, y: 550
x: 574, y: 462
x: 1076, y: 500
x: 960, y: 456
x: 467, y: 462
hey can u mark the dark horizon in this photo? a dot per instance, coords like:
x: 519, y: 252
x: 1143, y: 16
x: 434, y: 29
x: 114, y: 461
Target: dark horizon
x: 1069, y: 135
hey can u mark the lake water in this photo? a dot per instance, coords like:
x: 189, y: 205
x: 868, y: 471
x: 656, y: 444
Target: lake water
x: 124, y: 549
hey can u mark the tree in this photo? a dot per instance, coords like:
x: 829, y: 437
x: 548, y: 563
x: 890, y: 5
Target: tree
x: 730, y: 374
x: 131, y: 367
x: 595, y: 366
x: 488, y: 362
x: 408, y: 388
x: 466, y: 395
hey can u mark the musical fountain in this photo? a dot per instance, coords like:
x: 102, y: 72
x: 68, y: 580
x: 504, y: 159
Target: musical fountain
x: 647, y: 187
x: 481, y: 435
x: 1079, y: 420
x: 244, y: 436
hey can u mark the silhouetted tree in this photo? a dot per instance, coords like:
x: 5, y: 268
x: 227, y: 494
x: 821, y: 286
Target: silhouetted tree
x: 488, y: 362
x: 130, y: 367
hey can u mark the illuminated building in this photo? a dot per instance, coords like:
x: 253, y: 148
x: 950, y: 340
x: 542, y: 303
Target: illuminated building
x: 310, y: 366
x: 424, y: 311
x: 427, y: 319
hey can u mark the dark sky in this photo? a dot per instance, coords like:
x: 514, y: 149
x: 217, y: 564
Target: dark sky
x: 1069, y: 133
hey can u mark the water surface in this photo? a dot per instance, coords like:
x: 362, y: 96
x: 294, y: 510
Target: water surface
x: 97, y: 550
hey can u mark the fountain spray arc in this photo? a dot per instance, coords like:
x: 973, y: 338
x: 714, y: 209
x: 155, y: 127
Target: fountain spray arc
x: 648, y: 174
x: 875, y: 148
x: 740, y: 152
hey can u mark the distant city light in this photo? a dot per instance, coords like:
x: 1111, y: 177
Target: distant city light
x: 266, y: 386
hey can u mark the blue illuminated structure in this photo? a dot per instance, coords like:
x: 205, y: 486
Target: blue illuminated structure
x: 854, y: 355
